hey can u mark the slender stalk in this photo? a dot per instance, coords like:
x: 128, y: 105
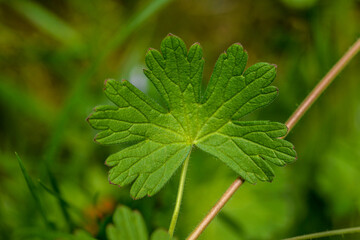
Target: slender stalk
x: 216, y: 209
x: 326, y: 233
x: 322, y: 85
x: 294, y: 118
x: 179, y: 196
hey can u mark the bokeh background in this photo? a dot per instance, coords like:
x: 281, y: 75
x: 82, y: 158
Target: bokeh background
x: 55, y: 56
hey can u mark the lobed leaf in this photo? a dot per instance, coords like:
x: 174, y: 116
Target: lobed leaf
x: 160, y: 138
x: 130, y: 225
x: 127, y: 224
x: 160, y: 234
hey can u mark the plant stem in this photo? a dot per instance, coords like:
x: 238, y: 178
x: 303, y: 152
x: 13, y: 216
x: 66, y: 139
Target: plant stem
x: 179, y: 196
x: 326, y: 233
x: 294, y: 118
x: 322, y: 85
x: 216, y: 208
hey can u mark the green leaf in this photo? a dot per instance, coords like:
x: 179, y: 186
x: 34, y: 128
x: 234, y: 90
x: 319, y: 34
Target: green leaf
x: 127, y: 224
x: 130, y: 225
x: 159, y: 138
x: 160, y: 234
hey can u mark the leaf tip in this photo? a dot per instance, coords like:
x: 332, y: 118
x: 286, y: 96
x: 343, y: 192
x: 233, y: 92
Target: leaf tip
x: 136, y: 197
x: 149, y: 51
x: 239, y: 44
x: 274, y: 65
x: 95, y: 139
x: 105, y: 83
x: 296, y: 156
x: 88, y: 117
x: 118, y: 185
x: 106, y: 164
x: 137, y: 212
x: 18, y: 158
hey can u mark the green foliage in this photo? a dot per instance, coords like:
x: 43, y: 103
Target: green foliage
x: 34, y: 192
x: 46, y: 21
x: 342, y: 158
x: 83, y: 235
x: 160, y: 234
x: 127, y: 225
x: 130, y: 225
x: 161, y: 138
x: 48, y: 86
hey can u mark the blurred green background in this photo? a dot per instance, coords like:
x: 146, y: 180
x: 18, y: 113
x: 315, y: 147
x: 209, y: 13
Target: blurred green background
x: 55, y: 56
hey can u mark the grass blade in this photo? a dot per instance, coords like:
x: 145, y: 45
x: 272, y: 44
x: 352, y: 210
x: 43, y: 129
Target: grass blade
x: 61, y: 202
x: 34, y: 192
x: 15, y: 98
x: 75, y: 94
x: 46, y: 21
x: 65, y: 203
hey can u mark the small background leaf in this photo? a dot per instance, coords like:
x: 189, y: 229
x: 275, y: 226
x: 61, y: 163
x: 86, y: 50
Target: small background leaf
x: 127, y: 224
x: 160, y: 234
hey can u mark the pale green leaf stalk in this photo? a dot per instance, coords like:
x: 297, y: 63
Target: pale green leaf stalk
x: 179, y: 197
x: 160, y: 138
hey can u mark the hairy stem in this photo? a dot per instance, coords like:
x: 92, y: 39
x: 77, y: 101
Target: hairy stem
x: 179, y: 196
x: 294, y: 118
x: 216, y: 208
x: 326, y: 233
x: 322, y: 85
